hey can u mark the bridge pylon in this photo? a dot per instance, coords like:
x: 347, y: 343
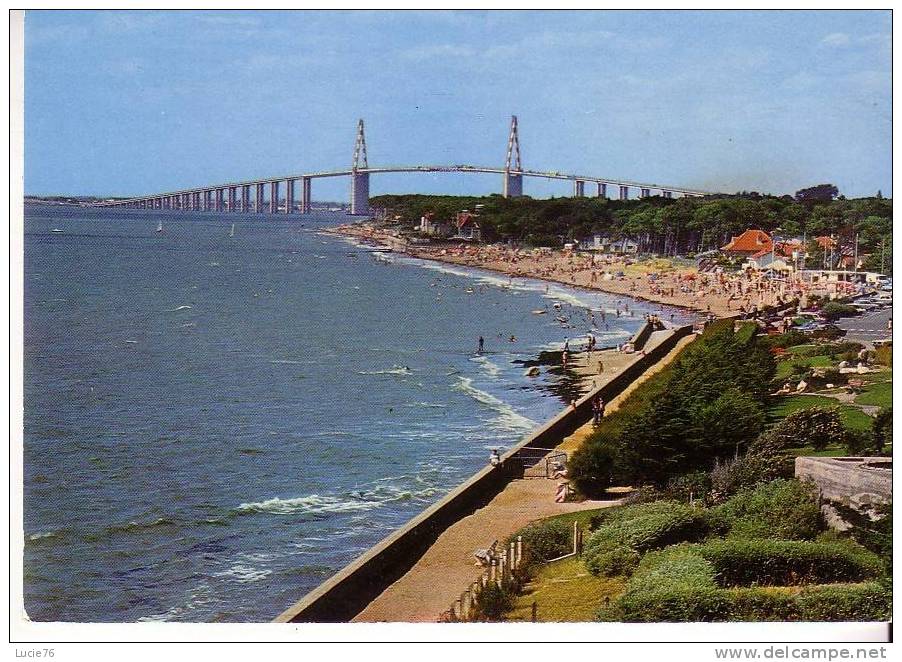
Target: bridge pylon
x: 513, y: 183
x: 360, y: 181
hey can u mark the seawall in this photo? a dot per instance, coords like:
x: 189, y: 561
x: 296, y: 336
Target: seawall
x: 345, y: 594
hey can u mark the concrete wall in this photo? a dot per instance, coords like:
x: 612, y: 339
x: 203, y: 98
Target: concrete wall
x: 847, y: 480
x: 345, y: 594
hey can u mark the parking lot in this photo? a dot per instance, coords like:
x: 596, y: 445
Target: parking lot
x: 867, y: 327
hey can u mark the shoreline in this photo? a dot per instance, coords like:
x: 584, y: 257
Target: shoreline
x: 711, y: 304
x: 422, y: 563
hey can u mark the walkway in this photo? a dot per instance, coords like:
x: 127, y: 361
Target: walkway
x: 448, y: 567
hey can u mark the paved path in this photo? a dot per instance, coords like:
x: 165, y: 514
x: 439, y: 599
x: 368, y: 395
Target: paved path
x: 868, y: 327
x: 448, y: 567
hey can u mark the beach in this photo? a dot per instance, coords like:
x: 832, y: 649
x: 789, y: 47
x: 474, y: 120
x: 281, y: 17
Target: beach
x: 656, y: 280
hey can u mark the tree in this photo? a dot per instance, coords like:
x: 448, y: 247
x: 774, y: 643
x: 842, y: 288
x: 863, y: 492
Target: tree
x: 819, y: 193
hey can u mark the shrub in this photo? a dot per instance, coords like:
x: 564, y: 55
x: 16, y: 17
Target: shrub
x: 789, y: 339
x: 695, y: 485
x: 868, y: 601
x: 885, y: 355
x: 859, y: 442
x: 674, y: 584
x: 818, y: 427
x: 785, y: 509
x: 641, y: 528
x: 619, y: 560
x: 834, y: 310
x: 593, y: 465
x: 493, y: 602
x: 760, y: 604
x: 545, y: 539
x: 750, y: 470
x: 882, y: 429
x: 743, y: 562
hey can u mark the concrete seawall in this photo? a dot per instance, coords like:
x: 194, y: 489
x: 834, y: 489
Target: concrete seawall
x: 345, y: 594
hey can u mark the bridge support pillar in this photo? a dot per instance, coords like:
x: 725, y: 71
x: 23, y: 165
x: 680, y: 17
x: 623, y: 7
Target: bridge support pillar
x: 246, y: 198
x: 233, y: 198
x: 513, y: 185
x: 305, y: 195
x: 667, y: 194
x: 624, y: 192
x: 258, y: 198
x: 644, y: 192
x: 360, y: 193
x: 579, y: 188
x: 273, y: 197
x: 218, y: 200
x: 289, y: 196
x: 602, y: 190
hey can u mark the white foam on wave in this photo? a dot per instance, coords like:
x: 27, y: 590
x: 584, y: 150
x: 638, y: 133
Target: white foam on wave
x: 245, y: 574
x: 429, y: 405
x: 488, y: 367
x: 507, y: 419
x: 175, y: 310
x: 394, y: 370
x: 289, y: 362
x: 313, y: 504
x: 359, y: 500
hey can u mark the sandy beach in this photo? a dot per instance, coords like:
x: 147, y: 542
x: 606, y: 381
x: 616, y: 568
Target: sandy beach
x: 657, y: 280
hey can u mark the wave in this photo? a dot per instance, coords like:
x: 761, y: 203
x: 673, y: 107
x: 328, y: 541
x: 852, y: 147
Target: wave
x: 430, y: 405
x: 290, y: 362
x: 394, y: 370
x: 358, y: 500
x: 245, y: 574
x: 313, y: 504
x: 488, y: 367
x: 508, y: 418
x: 175, y: 310
x: 47, y: 535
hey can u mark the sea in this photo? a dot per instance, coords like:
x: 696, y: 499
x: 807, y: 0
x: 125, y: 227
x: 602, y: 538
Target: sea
x: 215, y: 424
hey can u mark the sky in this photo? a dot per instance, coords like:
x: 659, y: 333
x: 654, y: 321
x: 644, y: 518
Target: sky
x: 132, y: 103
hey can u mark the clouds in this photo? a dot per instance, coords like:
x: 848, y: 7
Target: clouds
x: 662, y: 95
x: 836, y: 40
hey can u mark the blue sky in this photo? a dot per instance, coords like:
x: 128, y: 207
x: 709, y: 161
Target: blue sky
x: 127, y: 103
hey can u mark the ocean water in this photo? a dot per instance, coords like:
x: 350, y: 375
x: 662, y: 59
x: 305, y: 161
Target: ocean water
x: 214, y: 425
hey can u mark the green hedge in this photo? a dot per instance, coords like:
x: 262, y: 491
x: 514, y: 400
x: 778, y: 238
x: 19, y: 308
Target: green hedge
x: 545, y: 539
x: 788, y: 562
x: 869, y: 601
x: 641, y: 528
x: 785, y: 509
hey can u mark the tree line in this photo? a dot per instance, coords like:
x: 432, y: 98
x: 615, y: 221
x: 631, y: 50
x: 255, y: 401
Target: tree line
x: 668, y: 226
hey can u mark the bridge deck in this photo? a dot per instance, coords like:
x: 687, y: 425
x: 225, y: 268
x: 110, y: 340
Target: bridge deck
x: 416, y: 168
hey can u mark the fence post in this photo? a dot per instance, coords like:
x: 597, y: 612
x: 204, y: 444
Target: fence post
x: 519, y: 550
x: 534, y: 611
x: 456, y: 610
x: 512, y: 555
x: 575, y: 537
x: 466, y: 605
x: 493, y: 571
x: 503, y: 568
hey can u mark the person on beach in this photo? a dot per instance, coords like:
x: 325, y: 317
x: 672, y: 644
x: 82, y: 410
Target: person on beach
x: 481, y: 344
x: 600, y: 367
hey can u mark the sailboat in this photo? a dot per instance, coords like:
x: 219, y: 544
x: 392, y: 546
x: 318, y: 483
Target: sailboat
x: 160, y: 226
x: 232, y: 231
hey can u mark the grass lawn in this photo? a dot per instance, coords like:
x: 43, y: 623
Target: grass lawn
x: 879, y: 394
x: 852, y: 417
x: 784, y: 368
x: 564, y: 592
